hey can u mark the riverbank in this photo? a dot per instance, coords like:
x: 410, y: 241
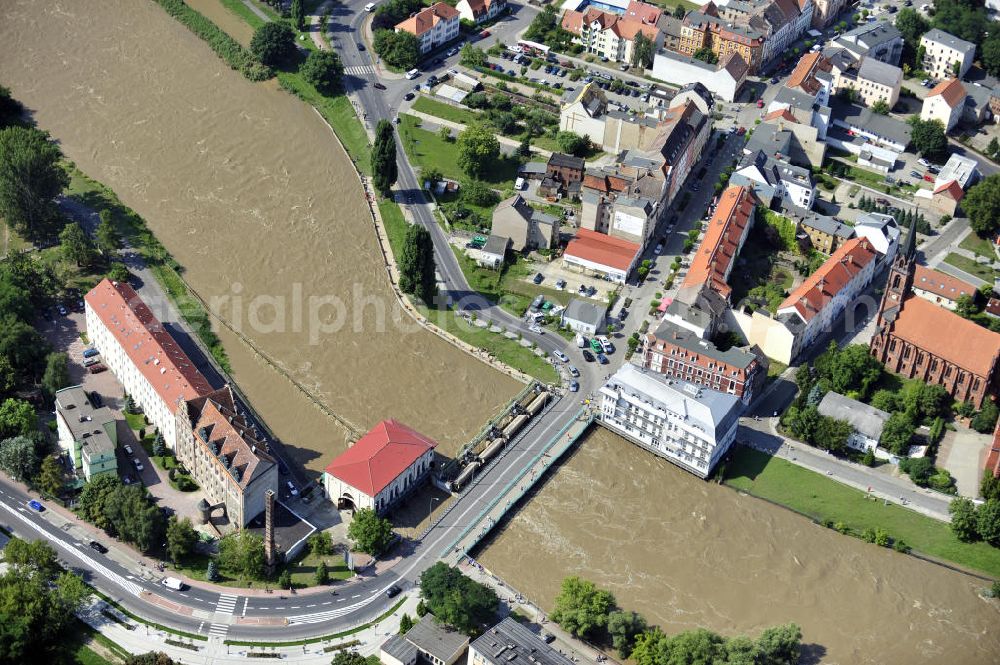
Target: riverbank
x: 850, y: 511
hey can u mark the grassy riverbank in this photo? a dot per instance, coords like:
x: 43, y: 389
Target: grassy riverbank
x: 824, y: 499
x: 133, y: 228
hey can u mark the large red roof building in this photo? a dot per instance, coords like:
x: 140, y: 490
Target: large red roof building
x: 595, y: 253
x: 383, y: 466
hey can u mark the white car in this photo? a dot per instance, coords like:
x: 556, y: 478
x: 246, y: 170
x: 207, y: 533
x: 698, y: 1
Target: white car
x: 923, y: 162
x: 292, y: 489
x: 138, y: 464
x: 658, y: 249
x: 561, y: 356
x: 605, y: 344
x: 128, y: 449
x: 537, y: 329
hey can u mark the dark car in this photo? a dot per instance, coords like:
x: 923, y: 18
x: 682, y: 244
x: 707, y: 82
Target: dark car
x: 393, y: 591
x: 601, y: 358
x: 97, y: 547
x: 96, y: 399
x: 588, y: 356
x: 379, y: 86
x: 361, y: 47
x: 408, y: 96
x: 538, y: 278
x: 97, y: 369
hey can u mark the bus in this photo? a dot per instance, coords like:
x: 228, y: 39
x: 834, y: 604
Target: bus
x: 533, y: 48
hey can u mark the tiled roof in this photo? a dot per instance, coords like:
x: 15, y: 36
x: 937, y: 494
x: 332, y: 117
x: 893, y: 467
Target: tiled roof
x: 819, y: 288
x: 721, y: 243
x: 947, y: 335
x: 218, y: 427
x: 602, y: 249
x: 149, y: 346
x: 941, y: 284
x: 426, y: 19
x: 640, y: 11
x: 952, y: 189
x: 803, y: 76
x: 951, y: 90
x: 572, y: 21
x: 784, y: 114
x: 379, y: 457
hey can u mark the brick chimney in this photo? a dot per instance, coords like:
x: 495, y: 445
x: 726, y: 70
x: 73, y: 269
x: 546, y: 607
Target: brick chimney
x: 270, y: 553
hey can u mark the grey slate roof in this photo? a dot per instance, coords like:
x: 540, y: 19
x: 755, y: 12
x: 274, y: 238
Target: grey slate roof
x: 533, y: 168
x: 496, y: 245
x: 400, y: 648
x: 864, y: 118
x: 585, y: 312
x: 686, y: 339
x: 795, y: 98
x: 949, y: 40
x: 871, y: 35
x: 510, y: 643
x: 438, y: 640
x: 863, y: 418
x: 828, y: 225
x: 880, y: 72
x: 86, y: 423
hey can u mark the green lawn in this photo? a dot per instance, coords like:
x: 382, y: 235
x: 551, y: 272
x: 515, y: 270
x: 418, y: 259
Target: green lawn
x: 237, y: 7
x: 505, y: 350
x: 977, y: 245
x: 983, y: 272
x: 444, y: 111
x: 395, y: 225
x: 824, y: 499
x: 427, y: 150
x: 303, y: 570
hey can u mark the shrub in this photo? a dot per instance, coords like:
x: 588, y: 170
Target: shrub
x: 901, y: 546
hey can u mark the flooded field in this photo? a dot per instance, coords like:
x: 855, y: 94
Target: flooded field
x: 687, y: 554
x: 250, y: 191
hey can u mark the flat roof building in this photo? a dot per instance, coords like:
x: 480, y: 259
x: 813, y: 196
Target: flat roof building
x: 427, y: 642
x: 510, y: 643
x: 88, y: 433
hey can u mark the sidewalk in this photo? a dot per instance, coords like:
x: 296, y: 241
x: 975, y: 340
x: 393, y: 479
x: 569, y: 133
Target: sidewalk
x: 139, y: 639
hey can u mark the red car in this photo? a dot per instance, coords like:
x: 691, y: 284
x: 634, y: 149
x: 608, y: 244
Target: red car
x: 929, y: 177
x: 760, y: 103
x: 97, y: 369
x: 484, y: 34
x: 741, y: 131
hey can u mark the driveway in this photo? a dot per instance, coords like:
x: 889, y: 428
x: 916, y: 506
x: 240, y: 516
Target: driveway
x: 962, y: 453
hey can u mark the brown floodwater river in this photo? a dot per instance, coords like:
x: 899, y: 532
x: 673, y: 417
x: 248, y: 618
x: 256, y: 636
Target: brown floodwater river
x: 249, y: 190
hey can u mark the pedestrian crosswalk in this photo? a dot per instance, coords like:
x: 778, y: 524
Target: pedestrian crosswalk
x: 362, y: 71
x: 224, y: 607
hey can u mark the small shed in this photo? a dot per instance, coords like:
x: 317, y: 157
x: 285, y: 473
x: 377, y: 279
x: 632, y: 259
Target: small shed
x: 494, y: 252
x: 584, y: 317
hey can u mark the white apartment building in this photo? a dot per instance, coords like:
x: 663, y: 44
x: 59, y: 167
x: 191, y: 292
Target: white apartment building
x: 146, y: 360
x: 945, y: 103
x: 88, y: 433
x: 942, y: 51
x: 689, y: 426
x: 480, y: 11
x: 610, y: 35
x: 434, y: 26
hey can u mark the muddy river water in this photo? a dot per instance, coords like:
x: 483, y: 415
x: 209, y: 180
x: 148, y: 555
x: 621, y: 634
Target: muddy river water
x: 250, y: 192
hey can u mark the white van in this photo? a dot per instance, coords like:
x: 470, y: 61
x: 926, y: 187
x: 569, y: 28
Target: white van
x: 412, y: 74
x: 172, y: 583
x: 519, y: 184
x: 370, y: 7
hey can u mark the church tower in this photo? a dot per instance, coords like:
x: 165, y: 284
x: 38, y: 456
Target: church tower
x: 900, y: 274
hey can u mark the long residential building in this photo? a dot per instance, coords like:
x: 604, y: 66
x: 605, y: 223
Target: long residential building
x: 143, y: 356
x: 433, y: 26
x: 679, y: 353
x: 723, y: 239
x: 611, y: 35
x: 225, y: 455
x: 689, y: 426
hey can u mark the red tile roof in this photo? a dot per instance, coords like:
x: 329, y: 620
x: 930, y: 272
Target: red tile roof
x: 426, y: 19
x: 838, y: 271
x: 721, y: 244
x: 947, y: 335
x: 148, y: 345
x: 602, y: 249
x: 951, y: 189
x: 784, y: 114
x: 993, y: 456
x: 951, y: 90
x: 640, y: 11
x: 572, y: 21
x: 993, y: 306
x: 940, y: 284
x: 624, y: 27
x: 803, y: 76
x: 380, y: 456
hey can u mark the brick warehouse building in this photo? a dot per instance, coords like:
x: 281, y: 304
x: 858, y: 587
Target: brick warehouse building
x: 918, y: 339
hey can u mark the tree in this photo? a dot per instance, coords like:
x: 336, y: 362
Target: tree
x: 458, y: 600
x: 989, y: 57
x: 118, y: 272
x: 50, y: 479
x: 17, y: 418
x: 14, y: 300
x: 780, y: 645
x: 56, y: 374
x: 643, y: 50
x: 850, y: 368
x: 323, y: 70
x: 912, y: 26
x: 986, y: 419
x: 445, y: 133
x: 581, y: 608
x: 18, y: 458
x: 706, y: 54
x: 963, y: 519
x: 30, y: 179
x: 273, y: 43
x: 416, y: 265
x: 928, y: 138
x: 965, y: 306
x: 108, y: 240
x: 298, y: 15
x: 322, y: 574
x: 242, y: 553
x: 832, y: 434
x: 212, y: 572
x: 133, y: 517
x: 572, y: 143
x: 624, y: 627
x: 956, y: 69
x: 886, y: 400
x: 94, y: 497
x: 285, y: 580
x: 398, y: 49
x: 348, y: 657
x: 181, y: 538
x: 897, y: 433
x: 76, y: 245
x: 478, y: 150
x: 988, y: 522
x: 524, y: 148
x: 23, y: 347
x: 405, y: 624
x: 919, y: 469
x: 472, y: 56
x: 982, y: 205
x: 10, y: 109
x: 989, y: 487
x: 150, y: 658
x: 479, y: 193
x: 881, y: 107
x: 384, y: 168
x: 320, y: 544
x: 371, y: 534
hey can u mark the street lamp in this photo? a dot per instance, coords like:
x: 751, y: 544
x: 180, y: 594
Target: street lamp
x: 430, y: 504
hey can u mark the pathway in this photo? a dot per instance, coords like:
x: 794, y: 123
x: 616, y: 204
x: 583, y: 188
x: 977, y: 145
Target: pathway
x: 257, y: 10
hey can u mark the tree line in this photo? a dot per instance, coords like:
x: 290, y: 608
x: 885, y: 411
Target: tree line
x: 591, y: 613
